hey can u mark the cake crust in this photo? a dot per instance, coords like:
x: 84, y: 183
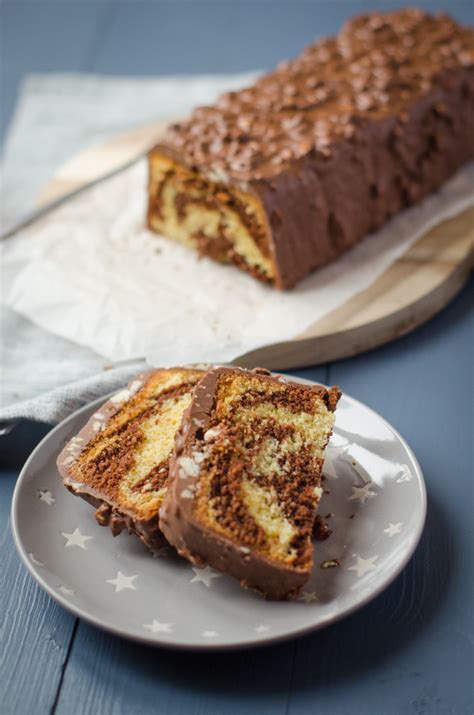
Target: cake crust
x: 283, y: 177
x: 183, y: 524
x: 94, y: 462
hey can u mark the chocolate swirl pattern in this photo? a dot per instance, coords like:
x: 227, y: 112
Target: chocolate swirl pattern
x: 245, y: 478
x: 119, y: 462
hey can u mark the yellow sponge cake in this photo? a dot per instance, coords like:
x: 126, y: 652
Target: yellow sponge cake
x: 245, y: 477
x: 119, y: 461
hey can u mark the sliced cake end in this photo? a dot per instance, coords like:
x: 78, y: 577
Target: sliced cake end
x: 245, y: 478
x: 119, y: 461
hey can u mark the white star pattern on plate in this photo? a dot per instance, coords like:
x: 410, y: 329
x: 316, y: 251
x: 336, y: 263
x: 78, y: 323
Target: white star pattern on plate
x: 66, y: 591
x: 363, y: 566
x: 122, y: 582
x: 261, y: 629
x: 76, y: 539
x: 406, y: 476
x: 35, y: 561
x: 210, y: 634
x: 204, y: 576
x: 157, y: 627
x: 46, y: 496
x: 362, y: 493
x: 393, y: 529
x: 308, y: 596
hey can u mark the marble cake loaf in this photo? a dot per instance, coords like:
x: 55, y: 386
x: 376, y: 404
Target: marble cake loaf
x: 283, y: 177
x: 245, y: 477
x: 119, y: 461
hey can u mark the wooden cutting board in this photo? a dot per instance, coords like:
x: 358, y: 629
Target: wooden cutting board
x: 410, y: 292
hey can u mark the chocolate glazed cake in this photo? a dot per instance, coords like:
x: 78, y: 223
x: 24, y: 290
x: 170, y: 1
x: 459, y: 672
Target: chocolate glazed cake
x: 119, y: 461
x: 283, y: 177
x: 245, y: 477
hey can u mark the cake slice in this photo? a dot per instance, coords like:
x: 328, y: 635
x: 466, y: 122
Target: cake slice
x: 119, y: 461
x: 245, y: 477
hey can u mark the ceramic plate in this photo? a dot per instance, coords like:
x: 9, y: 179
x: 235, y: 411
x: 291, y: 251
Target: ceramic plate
x: 373, y: 491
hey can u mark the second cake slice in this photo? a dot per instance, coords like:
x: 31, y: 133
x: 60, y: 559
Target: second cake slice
x: 245, y: 477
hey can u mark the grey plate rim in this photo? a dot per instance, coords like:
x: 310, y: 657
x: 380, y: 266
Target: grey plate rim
x: 243, y: 645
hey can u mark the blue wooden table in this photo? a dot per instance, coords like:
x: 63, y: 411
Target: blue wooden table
x: 409, y: 651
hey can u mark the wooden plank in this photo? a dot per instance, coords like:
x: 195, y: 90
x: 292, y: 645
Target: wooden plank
x: 410, y: 650
x: 108, y: 675
x: 35, y: 632
x: 45, y: 37
x: 211, y: 35
x: 166, y: 37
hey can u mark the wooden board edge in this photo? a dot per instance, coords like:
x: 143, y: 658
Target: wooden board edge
x: 109, y: 156
x: 344, y: 344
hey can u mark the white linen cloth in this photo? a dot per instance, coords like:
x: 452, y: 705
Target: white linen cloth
x: 91, y: 273
x: 43, y: 376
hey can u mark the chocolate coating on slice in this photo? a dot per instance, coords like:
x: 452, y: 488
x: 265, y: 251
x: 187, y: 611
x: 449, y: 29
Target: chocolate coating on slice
x: 110, y: 509
x: 182, y: 525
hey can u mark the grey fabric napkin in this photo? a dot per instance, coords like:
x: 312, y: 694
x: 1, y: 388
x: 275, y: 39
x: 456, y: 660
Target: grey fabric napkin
x: 53, y: 406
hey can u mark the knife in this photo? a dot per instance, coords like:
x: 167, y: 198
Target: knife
x: 37, y: 213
